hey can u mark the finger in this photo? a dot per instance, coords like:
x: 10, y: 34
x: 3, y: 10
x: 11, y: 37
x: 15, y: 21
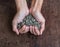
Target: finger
x: 26, y: 29
x: 36, y: 30
x: 22, y: 29
x: 31, y: 29
x: 15, y: 28
x: 42, y: 28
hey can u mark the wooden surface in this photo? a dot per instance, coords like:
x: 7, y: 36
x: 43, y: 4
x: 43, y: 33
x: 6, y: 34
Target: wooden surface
x: 50, y: 37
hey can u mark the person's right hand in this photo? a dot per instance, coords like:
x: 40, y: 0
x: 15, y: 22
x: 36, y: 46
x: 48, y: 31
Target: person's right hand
x: 19, y: 18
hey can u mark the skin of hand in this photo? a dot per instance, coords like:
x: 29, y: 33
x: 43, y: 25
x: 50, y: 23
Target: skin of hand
x: 24, y: 29
x: 22, y: 12
x: 36, y: 12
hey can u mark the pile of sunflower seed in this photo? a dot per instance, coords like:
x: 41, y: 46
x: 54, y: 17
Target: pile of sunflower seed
x: 28, y: 20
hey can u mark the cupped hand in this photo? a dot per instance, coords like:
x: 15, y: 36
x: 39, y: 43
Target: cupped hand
x: 20, y: 15
x: 39, y: 17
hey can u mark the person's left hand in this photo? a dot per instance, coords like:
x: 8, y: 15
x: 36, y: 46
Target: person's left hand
x: 39, y: 17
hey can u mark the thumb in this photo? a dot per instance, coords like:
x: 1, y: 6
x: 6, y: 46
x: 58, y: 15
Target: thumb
x: 15, y: 28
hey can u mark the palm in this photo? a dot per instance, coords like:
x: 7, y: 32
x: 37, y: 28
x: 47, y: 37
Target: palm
x: 39, y: 17
x: 17, y: 19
